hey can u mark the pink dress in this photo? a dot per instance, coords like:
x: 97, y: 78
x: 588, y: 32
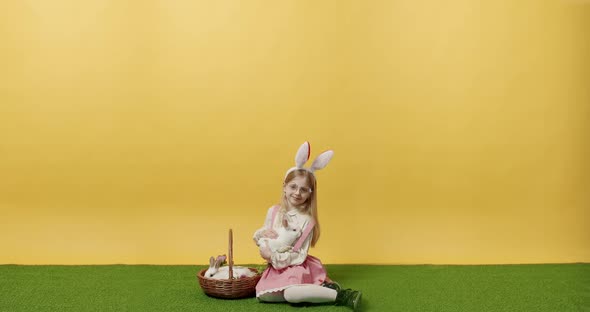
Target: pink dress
x: 295, y: 267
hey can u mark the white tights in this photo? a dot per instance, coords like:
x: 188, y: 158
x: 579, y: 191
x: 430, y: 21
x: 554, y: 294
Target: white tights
x: 301, y: 293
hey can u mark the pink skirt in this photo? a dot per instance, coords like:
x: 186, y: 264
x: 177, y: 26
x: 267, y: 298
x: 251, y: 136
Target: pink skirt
x: 311, y: 271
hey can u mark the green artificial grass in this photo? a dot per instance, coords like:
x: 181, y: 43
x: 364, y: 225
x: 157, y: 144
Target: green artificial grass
x: 538, y: 288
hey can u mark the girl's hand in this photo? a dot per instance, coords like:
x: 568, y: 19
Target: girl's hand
x: 265, y: 252
x: 269, y: 234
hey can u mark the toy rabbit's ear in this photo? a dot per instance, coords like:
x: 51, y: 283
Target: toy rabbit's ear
x: 211, y: 262
x: 302, y: 155
x: 217, y: 263
x: 322, y: 160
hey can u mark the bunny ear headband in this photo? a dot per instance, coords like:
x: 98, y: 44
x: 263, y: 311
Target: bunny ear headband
x: 302, y: 157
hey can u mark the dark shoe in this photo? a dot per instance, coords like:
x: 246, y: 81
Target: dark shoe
x: 332, y: 285
x: 350, y: 298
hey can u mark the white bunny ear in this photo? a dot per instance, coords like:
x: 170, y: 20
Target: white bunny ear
x: 322, y: 160
x: 211, y: 262
x: 302, y: 155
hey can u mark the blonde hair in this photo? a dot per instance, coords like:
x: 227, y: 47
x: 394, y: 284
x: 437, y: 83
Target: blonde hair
x: 310, y: 206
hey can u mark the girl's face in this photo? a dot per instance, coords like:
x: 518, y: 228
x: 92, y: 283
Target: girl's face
x: 297, y: 191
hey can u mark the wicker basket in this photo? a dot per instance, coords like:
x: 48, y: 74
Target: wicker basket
x: 231, y: 288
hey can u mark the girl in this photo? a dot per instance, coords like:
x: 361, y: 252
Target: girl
x: 295, y: 276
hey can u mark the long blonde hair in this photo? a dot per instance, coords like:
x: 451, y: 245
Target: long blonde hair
x: 310, y: 207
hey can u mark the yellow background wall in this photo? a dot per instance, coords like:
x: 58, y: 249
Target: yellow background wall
x: 140, y: 131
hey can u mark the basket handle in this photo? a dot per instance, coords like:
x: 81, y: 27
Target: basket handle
x: 231, y: 256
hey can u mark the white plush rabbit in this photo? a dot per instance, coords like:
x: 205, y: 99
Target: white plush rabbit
x: 285, y: 239
x: 217, y: 271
